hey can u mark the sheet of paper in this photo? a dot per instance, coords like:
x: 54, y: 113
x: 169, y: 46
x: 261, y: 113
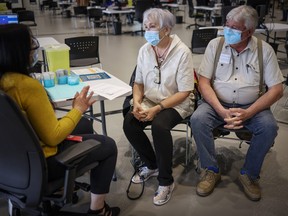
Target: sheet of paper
x: 83, y: 71
x: 108, y: 91
x: 64, y: 92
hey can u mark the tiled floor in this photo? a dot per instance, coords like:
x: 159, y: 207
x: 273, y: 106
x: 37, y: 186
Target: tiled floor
x: 118, y: 56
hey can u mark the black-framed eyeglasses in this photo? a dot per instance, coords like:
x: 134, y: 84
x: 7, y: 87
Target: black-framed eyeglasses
x: 157, y: 72
x: 34, y: 44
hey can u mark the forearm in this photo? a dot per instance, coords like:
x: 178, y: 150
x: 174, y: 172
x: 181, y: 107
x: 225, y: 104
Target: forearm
x: 138, y: 93
x: 266, y: 100
x: 210, y: 97
x: 174, y: 100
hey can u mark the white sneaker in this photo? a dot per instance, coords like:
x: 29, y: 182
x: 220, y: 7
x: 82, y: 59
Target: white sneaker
x: 144, y: 174
x: 163, y: 194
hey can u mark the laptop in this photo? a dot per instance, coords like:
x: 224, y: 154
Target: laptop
x: 8, y: 19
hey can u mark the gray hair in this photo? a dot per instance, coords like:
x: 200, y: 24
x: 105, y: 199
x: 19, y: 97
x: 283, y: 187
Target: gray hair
x: 244, y: 13
x: 160, y: 16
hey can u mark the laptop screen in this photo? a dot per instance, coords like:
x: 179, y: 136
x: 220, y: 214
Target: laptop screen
x: 8, y: 18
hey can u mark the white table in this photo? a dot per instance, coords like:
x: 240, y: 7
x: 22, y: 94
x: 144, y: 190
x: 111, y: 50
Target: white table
x: 112, y: 12
x: 62, y: 101
x: 175, y: 8
x: 212, y: 10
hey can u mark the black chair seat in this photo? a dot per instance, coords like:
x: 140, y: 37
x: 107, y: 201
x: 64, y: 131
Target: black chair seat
x: 83, y: 62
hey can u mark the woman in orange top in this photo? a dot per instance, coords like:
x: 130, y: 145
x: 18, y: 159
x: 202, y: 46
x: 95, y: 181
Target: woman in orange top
x: 18, y: 52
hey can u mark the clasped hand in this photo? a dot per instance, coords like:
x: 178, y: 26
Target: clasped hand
x: 82, y: 101
x: 143, y: 115
x: 235, y: 118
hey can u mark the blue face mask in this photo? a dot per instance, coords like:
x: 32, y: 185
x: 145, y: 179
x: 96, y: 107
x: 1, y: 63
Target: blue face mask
x: 34, y: 58
x: 152, y: 37
x: 232, y: 36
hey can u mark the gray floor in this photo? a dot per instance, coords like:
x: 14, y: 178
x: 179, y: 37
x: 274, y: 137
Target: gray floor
x: 118, y: 56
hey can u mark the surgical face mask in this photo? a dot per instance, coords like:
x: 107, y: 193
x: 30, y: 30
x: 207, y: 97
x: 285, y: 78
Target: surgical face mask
x: 152, y: 37
x: 34, y: 58
x: 232, y: 36
x: 34, y: 52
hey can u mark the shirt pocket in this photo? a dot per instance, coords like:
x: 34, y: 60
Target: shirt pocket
x: 252, y: 74
x: 224, y: 72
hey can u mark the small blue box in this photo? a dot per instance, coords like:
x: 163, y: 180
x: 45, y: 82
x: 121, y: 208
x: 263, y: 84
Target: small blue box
x: 62, y: 80
x: 49, y: 83
x: 73, y: 80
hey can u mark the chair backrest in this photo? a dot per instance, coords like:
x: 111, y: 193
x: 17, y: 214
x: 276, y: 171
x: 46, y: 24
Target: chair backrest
x: 224, y: 11
x: 140, y: 7
x: 80, y: 10
x: 201, y: 38
x: 83, y: 48
x: 95, y: 13
x: 15, y: 10
x: 26, y: 16
x: 22, y: 162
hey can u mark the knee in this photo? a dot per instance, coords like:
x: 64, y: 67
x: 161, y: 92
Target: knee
x: 127, y: 123
x: 270, y: 129
x: 158, y: 127
x: 197, y: 119
x: 110, y: 144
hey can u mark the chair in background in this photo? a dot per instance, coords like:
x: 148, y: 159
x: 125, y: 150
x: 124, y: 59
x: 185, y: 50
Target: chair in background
x: 194, y: 15
x: 27, y: 17
x: 23, y: 168
x: 201, y: 38
x: 140, y: 7
x: 95, y: 17
x: 84, y: 51
x: 15, y: 10
x: 80, y: 12
x: 224, y: 11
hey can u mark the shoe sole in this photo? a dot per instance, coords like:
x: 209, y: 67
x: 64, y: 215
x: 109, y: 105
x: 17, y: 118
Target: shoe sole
x: 247, y: 193
x: 208, y: 193
x: 160, y: 204
x: 153, y: 175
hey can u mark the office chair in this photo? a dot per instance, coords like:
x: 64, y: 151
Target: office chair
x: 224, y: 11
x: 84, y: 51
x: 140, y: 7
x: 95, y: 16
x: 80, y: 12
x: 23, y: 169
x: 15, y: 10
x: 26, y: 17
x: 201, y: 38
x: 193, y: 15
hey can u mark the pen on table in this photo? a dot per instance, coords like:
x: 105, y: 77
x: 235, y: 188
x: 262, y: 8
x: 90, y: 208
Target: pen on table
x: 69, y: 99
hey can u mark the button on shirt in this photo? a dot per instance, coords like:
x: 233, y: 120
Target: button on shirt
x: 237, y: 76
x: 176, y: 75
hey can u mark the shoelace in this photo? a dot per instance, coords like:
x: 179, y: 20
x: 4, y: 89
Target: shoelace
x: 208, y: 176
x: 163, y: 190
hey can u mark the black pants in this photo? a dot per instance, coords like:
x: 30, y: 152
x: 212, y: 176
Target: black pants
x: 163, y: 143
x: 106, y: 155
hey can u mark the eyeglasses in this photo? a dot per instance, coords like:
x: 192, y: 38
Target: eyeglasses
x: 34, y: 44
x: 157, y: 72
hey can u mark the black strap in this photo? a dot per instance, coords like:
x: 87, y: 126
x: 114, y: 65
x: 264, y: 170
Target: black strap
x: 128, y: 188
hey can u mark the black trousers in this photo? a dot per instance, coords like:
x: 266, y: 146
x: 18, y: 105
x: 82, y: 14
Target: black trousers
x: 106, y: 155
x: 161, y: 127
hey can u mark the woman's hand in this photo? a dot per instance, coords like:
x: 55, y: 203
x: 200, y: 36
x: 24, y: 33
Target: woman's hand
x: 82, y: 101
x: 149, y: 114
x: 137, y: 109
